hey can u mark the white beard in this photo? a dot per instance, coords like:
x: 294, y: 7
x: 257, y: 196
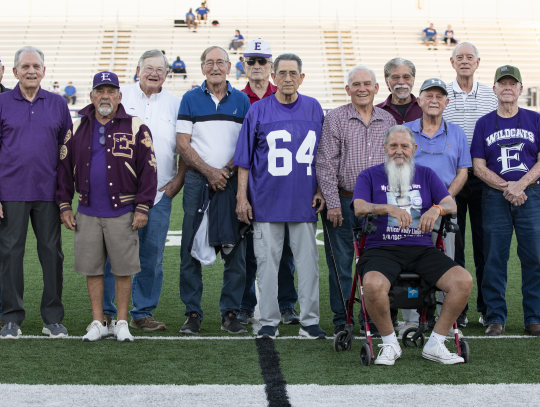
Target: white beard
x: 105, y: 111
x: 402, y: 87
x: 400, y: 177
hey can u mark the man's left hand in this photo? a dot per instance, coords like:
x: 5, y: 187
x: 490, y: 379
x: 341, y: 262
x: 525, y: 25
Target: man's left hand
x: 139, y: 220
x: 428, y: 219
x: 514, y: 193
x: 172, y: 188
x: 318, y: 201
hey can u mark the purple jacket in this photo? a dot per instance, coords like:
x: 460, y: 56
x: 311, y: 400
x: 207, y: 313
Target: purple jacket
x: 130, y: 158
x: 414, y: 111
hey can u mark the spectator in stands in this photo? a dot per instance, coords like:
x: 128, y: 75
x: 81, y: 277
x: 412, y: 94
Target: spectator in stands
x: 443, y: 147
x: 179, y: 66
x: 159, y: 110
x: 399, y: 75
x: 70, y: 93
x: 210, y: 116
x: 55, y: 88
x: 194, y: 85
x: 351, y: 141
x: 237, y: 41
x: 113, y: 203
x: 33, y: 122
x: 469, y: 100
x: 2, y: 90
x: 135, y: 78
x: 407, y: 245
x: 240, y: 68
x: 506, y: 151
x: 202, y: 12
x: 190, y: 19
x: 449, y: 36
x: 258, y: 67
x: 430, y: 36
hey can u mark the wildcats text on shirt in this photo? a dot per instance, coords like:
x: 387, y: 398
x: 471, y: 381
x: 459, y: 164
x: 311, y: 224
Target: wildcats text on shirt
x: 510, y: 133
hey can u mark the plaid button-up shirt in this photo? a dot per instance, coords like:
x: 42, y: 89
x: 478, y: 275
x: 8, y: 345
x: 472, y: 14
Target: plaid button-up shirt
x: 347, y: 147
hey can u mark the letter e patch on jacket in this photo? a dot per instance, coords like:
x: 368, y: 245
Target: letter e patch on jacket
x: 122, y: 142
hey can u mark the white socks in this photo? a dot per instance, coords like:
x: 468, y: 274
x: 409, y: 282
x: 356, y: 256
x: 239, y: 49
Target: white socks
x: 435, y: 337
x: 390, y: 339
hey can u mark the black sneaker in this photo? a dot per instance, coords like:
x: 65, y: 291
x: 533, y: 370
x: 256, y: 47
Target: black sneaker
x: 462, y: 320
x: 245, y: 316
x: 289, y: 316
x: 268, y: 332
x: 230, y: 323
x: 372, y: 329
x: 10, y: 331
x: 339, y: 328
x: 191, y: 326
x: 312, y: 332
x: 483, y: 319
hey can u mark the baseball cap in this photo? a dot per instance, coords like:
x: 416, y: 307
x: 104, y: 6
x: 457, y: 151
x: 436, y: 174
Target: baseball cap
x: 508, y: 70
x: 258, y: 48
x: 105, y: 78
x: 434, y: 83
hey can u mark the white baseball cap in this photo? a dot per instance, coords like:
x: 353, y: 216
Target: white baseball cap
x: 258, y: 48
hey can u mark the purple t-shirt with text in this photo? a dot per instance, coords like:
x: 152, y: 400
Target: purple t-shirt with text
x: 426, y: 190
x: 99, y: 199
x: 511, y: 150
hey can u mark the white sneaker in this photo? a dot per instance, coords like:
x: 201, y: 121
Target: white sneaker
x: 121, y: 332
x: 388, y: 354
x: 96, y: 331
x: 451, y: 333
x: 439, y: 353
x: 406, y: 326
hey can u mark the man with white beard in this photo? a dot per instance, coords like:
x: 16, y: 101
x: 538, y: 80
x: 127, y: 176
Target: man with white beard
x: 399, y: 76
x: 402, y: 242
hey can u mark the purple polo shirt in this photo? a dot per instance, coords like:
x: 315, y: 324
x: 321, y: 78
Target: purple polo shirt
x: 413, y: 111
x: 99, y: 199
x: 30, y: 133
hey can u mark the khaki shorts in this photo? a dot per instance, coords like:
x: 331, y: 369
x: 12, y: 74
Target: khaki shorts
x: 95, y: 238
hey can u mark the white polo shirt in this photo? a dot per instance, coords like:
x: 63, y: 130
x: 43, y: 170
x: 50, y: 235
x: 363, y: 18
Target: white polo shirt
x: 159, y: 113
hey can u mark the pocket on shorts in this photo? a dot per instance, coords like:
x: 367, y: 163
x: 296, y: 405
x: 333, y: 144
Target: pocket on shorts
x: 258, y: 245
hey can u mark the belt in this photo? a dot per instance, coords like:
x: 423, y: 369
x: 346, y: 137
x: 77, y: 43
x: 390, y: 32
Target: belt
x: 346, y: 194
x: 533, y: 184
x: 195, y: 170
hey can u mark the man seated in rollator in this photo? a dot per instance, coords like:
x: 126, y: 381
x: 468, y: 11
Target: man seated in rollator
x: 409, y: 199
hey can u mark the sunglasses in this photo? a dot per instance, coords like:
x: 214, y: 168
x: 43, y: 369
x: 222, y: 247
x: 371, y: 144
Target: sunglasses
x: 261, y: 61
x: 102, y: 138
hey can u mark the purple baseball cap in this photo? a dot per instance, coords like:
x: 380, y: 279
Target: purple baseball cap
x: 105, y: 78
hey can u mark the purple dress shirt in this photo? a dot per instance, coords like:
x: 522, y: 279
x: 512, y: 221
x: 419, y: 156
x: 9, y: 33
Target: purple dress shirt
x: 30, y: 133
x: 99, y: 200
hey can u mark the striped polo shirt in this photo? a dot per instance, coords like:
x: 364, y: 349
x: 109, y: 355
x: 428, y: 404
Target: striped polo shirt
x: 214, y: 124
x: 465, y: 109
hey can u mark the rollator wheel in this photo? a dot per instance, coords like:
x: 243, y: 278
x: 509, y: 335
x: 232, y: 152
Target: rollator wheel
x: 340, y: 342
x: 365, y: 355
x: 410, y: 342
x: 465, y: 350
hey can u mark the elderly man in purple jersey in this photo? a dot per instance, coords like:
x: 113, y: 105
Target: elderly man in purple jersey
x: 275, y: 156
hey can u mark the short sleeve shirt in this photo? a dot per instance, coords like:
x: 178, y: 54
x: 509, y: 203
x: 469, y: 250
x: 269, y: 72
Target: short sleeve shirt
x: 202, y: 10
x: 510, y: 146
x: 70, y: 90
x: 240, y: 66
x: 430, y: 32
x: 426, y: 190
x: 190, y: 16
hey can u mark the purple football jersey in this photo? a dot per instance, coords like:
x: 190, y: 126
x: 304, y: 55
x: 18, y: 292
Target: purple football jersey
x: 426, y: 190
x: 278, y: 146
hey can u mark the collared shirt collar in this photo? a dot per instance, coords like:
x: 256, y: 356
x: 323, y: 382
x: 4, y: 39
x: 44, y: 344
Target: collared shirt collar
x: 415, y: 127
x: 457, y: 89
x: 205, y: 89
x: 375, y: 115
x: 271, y: 89
x: 42, y: 94
x: 143, y: 95
x: 388, y: 101
x: 90, y: 111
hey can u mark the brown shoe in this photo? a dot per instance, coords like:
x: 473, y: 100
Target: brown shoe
x: 494, y: 330
x: 147, y: 324
x: 533, y: 329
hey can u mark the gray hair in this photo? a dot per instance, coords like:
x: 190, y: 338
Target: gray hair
x: 207, y: 50
x: 396, y: 63
x: 29, y: 48
x: 356, y: 69
x: 465, y: 43
x: 399, y: 129
x: 152, y: 54
x: 288, y: 57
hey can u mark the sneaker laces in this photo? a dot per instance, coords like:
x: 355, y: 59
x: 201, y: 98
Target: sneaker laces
x: 89, y: 327
x: 442, y: 350
x: 385, y: 349
x: 11, y: 325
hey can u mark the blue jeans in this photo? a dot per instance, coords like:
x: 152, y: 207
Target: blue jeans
x: 146, y: 286
x: 239, y: 74
x: 500, y: 219
x: 341, y: 238
x: 287, y: 295
x: 234, y: 272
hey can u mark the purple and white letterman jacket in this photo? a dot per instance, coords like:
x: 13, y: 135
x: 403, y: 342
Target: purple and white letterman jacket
x: 131, y: 162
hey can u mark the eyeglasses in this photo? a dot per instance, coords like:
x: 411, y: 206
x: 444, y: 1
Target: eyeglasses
x: 210, y: 64
x: 150, y: 69
x: 420, y: 139
x: 261, y: 61
x: 292, y: 74
x: 102, y: 138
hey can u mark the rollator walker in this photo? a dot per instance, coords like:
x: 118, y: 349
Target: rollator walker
x: 402, y: 295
